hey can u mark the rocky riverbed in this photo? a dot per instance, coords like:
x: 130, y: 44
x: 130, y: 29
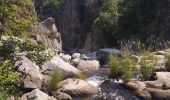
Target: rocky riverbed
x: 95, y: 84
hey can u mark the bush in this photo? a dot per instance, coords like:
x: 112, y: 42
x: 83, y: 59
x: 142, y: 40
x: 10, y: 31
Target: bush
x: 35, y: 52
x: 10, y: 47
x: 9, y: 78
x: 4, y: 96
x: 146, y: 70
x: 51, y: 86
x: 121, y: 67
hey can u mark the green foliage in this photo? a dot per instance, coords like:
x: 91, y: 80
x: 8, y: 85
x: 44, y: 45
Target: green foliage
x: 135, y: 17
x: 4, y: 96
x: 106, y: 21
x: 148, y: 56
x: 35, y: 52
x: 167, y: 63
x: 10, y: 47
x: 146, y: 70
x: 47, y: 8
x: 9, y: 78
x: 121, y: 68
x: 55, y: 78
x: 12, y: 19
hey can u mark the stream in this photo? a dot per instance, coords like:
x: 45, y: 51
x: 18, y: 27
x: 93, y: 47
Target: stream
x: 110, y: 89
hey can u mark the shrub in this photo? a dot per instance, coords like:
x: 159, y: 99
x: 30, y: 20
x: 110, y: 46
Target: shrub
x: 4, y: 96
x: 10, y: 47
x: 35, y: 52
x: 121, y: 67
x: 9, y: 78
x: 146, y: 70
x: 51, y: 86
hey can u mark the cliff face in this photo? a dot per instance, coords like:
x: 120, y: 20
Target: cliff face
x: 46, y: 32
x: 69, y: 22
x: 75, y: 20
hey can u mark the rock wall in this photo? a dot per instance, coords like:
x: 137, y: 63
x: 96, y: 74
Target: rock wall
x: 75, y: 21
x: 46, y: 32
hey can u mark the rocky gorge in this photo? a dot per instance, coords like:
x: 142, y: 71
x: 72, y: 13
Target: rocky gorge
x: 84, y: 50
x: 85, y: 74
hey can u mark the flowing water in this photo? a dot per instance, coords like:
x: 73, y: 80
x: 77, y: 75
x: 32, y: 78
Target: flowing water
x: 110, y: 89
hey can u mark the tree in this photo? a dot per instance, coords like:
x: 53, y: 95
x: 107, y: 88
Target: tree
x: 108, y: 16
x: 106, y: 22
x: 15, y: 16
x: 47, y: 8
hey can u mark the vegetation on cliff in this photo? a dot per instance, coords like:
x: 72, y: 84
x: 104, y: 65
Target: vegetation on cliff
x: 16, y: 17
x: 110, y: 21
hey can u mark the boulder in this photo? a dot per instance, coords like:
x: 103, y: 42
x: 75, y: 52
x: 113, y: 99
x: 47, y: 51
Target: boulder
x: 88, y: 66
x: 159, y: 64
x: 75, y: 61
x: 63, y: 96
x: 136, y: 85
x: 162, y: 81
x: 65, y: 57
x: 161, y: 53
x: 11, y: 98
x: 77, y: 87
x: 64, y: 69
x: 159, y: 94
x: 46, y: 33
x: 139, y: 89
x: 33, y: 76
x: 76, y: 55
x: 163, y: 76
x: 36, y: 95
x: 103, y: 54
x: 144, y: 95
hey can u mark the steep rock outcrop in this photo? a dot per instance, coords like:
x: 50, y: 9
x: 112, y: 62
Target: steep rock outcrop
x: 69, y: 22
x: 46, y: 32
x: 75, y: 20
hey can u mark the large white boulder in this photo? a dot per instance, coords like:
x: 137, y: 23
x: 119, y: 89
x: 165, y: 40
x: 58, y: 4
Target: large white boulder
x: 65, y: 57
x: 162, y: 81
x: 63, y: 68
x: 36, y: 95
x: 77, y: 87
x: 88, y: 66
x: 33, y: 76
x: 76, y: 55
